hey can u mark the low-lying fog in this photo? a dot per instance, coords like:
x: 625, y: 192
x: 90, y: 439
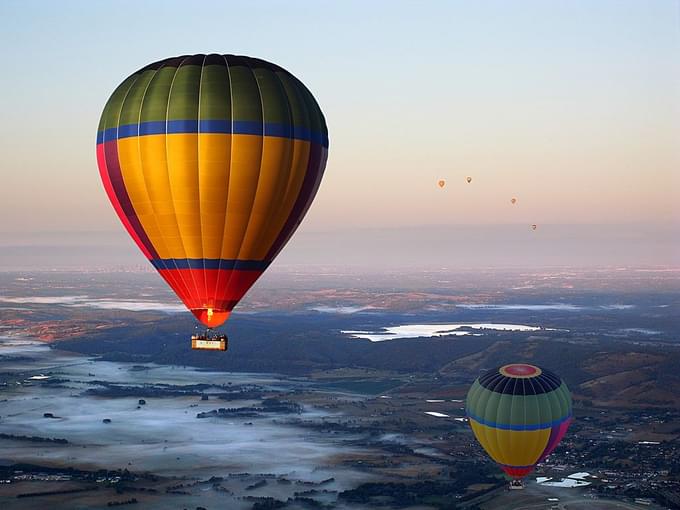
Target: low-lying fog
x: 163, y: 436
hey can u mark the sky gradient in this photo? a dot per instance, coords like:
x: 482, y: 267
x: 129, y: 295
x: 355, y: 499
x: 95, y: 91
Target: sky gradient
x: 572, y: 107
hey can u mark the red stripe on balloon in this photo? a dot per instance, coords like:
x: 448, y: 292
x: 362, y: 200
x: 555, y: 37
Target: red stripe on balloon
x: 310, y: 185
x: 107, y: 160
x: 109, y: 170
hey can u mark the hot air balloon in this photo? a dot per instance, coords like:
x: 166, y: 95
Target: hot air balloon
x: 211, y: 162
x: 468, y: 179
x: 513, y: 200
x: 534, y: 226
x: 441, y: 183
x: 519, y: 413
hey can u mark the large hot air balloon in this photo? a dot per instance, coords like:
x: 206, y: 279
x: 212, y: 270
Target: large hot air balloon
x: 519, y: 413
x: 468, y: 179
x: 211, y: 162
x: 441, y: 183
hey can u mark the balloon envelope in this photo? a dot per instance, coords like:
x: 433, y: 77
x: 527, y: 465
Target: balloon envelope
x: 519, y: 413
x: 513, y: 200
x: 441, y: 183
x: 211, y: 162
x: 468, y: 179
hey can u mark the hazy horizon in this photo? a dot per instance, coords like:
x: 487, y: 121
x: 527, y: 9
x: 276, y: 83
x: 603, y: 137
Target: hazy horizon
x: 457, y: 247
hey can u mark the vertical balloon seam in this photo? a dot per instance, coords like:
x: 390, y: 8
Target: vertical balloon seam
x: 181, y: 288
x: 522, y: 431
x: 472, y: 403
x: 530, y: 380
x: 129, y: 216
x: 287, y: 229
x: 506, y: 384
x: 200, y: 295
x: 313, y: 174
x: 231, y: 161
x: 172, y: 197
x: 257, y: 184
x: 474, y: 398
x: 552, y: 416
x: 291, y: 92
x: 535, y: 436
x: 167, y: 274
x: 517, y: 403
x: 198, y: 179
x: 560, y: 427
x: 524, y: 407
x: 532, y: 444
x: 246, y: 234
x: 160, y: 261
x: 123, y: 105
x: 183, y: 292
x: 491, y: 434
x: 565, y: 413
x: 279, y: 193
x: 276, y: 211
x: 105, y: 175
x: 546, y: 385
x: 137, y: 139
x: 493, y: 398
x: 300, y: 191
x: 215, y: 291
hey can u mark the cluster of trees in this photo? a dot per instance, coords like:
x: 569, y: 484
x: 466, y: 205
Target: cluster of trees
x: 35, y: 439
x: 131, y: 501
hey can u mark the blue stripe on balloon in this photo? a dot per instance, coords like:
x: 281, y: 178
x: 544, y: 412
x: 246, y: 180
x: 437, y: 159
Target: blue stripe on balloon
x: 242, y: 265
x: 505, y: 426
x: 238, y: 127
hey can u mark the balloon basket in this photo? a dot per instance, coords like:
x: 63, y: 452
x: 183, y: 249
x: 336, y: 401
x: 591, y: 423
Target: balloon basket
x: 208, y: 342
x: 516, y: 485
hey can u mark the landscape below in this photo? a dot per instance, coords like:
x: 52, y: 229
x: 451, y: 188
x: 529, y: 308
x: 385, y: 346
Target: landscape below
x: 371, y: 370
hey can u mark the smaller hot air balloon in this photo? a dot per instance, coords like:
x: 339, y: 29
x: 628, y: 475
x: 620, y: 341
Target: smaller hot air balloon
x: 468, y: 179
x: 519, y: 414
x: 441, y: 183
x: 534, y: 226
x: 513, y: 200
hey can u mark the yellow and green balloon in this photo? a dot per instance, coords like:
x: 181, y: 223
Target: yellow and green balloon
x: 211, y: 162
x: 519, y: 413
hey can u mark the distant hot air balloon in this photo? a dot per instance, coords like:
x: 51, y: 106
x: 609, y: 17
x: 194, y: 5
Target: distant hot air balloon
x: 211, y: 162
x: 513, y: 200
x: 519, y: 413
x: 441, y: 183
x: 468, y: 179
x: 534, y: 227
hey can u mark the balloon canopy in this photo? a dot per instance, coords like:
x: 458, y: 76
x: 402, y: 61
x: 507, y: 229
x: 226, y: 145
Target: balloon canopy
x: 519, y: 413
x: 211, y: 162
x: 441, y: 183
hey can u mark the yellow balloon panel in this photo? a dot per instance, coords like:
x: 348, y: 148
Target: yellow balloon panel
x: 511, y: 447
x: 213, y: 195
